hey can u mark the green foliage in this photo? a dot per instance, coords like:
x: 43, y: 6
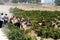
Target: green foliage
x: 11, y: 26
x: 28, y: 37
x: 18, y: 34
x: 15, y: 34
x: 48, y: 32
x: 36, y: 17
x: 14, y: 1
x: 57, y: 2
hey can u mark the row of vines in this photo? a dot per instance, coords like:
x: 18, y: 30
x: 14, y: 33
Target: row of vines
x: 36, y: 17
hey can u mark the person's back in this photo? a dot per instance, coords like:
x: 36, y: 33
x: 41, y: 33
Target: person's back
x: 5, y: 18
x: 28, y: 23
x: 54, y: 25
x: 11, y: 19
x: 22, y: 19
x: 17, y: 24
x: 43, y: 22
x: 2, y: 17
x: 1, y: 20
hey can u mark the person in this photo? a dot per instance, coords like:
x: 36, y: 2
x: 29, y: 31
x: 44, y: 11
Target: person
x: 11, y: 19
x: 22, y: 19
x: 1, y: 20
x: 29, y: 23
x: 53, y: 24
x: 17, y: 23
x: 5, y: 19
x: 40, y: 24
x: 23, y: 25
x: 43, y: 22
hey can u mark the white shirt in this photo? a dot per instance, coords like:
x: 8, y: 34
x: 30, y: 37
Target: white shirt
x: 6, y: 18
x: 2, y: 18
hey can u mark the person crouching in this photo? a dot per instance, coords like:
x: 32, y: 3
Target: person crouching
x: 17, y: 23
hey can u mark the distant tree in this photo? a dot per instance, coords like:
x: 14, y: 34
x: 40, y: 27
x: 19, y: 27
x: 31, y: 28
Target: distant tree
x: 37, y: 1
x: 29, y: 1
x: 14, y: 1
x: 57, y: 2
x: 34, y: 1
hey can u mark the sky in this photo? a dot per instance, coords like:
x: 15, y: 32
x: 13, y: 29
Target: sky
x: 47, y: 1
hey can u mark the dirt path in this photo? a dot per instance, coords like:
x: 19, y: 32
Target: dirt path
x: 38, y: 7
x: 2, y: 35
x: 4, y: 9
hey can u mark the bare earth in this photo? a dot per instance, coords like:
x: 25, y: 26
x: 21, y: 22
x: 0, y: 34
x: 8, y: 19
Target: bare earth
x: 41, y: 8
x: 2, y: 35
